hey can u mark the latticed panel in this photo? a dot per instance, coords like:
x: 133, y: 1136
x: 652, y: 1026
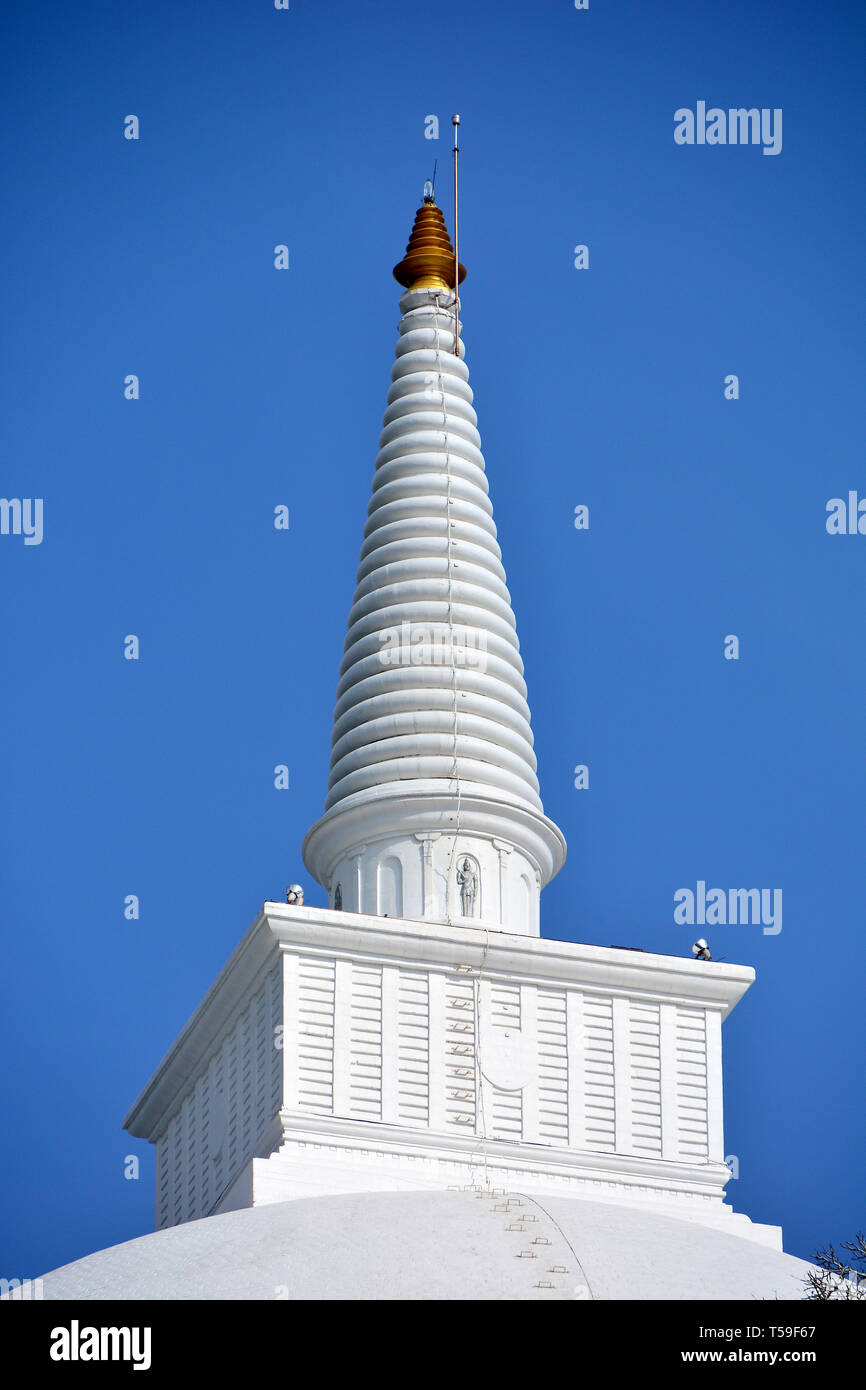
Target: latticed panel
x: 505, y: 1006
x: 246, y: 1096
x: 171, y: 1164
x: 203, y: 1102
x: 413, y: 1048
x: 599, y: 1114
x: 176, y: 1132
x: 222, y: 1117
x: 190, y: 1129
x: 218, y: 1130
x: 232, y: 1102
x: 645, y: 1054
x: 505, y: 1120
x: 365, y: 1042
x: 163, y: 1181
x: 460, y: 1096
x: 263, y: 1046
x: 315, y: 1034
x: 552, y: 1067
x: 274, y: 1082
x: 691, y: 1084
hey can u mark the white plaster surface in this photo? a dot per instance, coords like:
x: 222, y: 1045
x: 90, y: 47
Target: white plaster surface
x: 432, y: 763
x: 445, y: 1245
x: 407, y: 1047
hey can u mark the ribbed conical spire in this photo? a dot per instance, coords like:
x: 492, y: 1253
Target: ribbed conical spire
x: 433, y: 806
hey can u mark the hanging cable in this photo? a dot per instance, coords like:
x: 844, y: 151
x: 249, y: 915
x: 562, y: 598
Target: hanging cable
x: 455, y: 772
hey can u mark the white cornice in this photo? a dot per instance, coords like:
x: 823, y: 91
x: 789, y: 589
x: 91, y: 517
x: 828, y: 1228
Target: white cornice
x: 422, y: 810
x: 540, y: 960
x: 652, y: 1175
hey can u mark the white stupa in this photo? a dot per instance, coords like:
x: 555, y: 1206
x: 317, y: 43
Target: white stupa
x: 409, y: 1093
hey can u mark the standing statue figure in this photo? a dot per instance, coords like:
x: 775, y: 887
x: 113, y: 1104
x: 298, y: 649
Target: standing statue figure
x: 468, y: 880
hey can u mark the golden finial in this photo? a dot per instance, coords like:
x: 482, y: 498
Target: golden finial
x: 429, y: 259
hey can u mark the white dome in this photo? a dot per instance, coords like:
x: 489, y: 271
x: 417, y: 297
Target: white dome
x: 435, y: 1245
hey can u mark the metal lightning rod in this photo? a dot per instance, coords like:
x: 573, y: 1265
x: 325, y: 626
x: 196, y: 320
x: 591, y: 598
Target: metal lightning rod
x: 455, y: 121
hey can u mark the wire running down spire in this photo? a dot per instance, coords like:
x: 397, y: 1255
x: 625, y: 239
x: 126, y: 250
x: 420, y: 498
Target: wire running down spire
x: 433, y: 808
x: 455, y: 121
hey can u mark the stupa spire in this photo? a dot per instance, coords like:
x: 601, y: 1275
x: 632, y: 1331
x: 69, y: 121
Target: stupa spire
x: 433, y: 807
x: 429, y: 259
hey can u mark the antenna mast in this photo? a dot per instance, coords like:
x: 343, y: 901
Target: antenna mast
x: 455, y: 121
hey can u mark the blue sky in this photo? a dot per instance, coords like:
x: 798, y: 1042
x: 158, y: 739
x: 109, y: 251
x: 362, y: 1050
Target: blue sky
x: 603, y: 387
